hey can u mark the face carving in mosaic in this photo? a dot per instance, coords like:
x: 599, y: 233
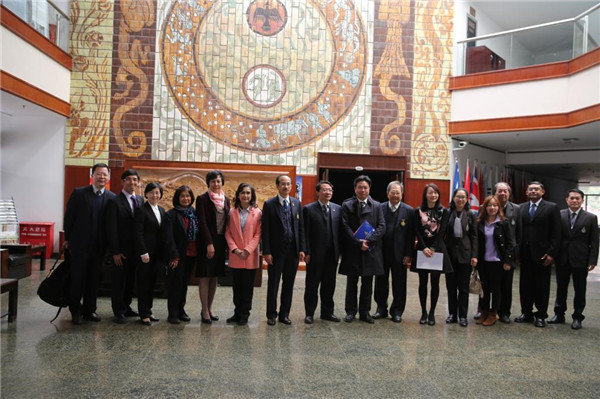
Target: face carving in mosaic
x: 264, y: 75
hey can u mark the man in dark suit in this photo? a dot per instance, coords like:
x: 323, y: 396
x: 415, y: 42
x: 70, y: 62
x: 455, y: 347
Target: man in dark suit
x: 282, y: 246
x: 84, y: 237
x: 538, y: 248
x: 361, y: 258
x: 321, y: 225
x: 578, y: 256
x: 398, y: 247
x: 511, y: 212
x: 119, y: 228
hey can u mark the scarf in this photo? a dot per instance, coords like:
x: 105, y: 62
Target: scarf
x: 217, y: 199
x: 431, y: 220
x: 192, y: 225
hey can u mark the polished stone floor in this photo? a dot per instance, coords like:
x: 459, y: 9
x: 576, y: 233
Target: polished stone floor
x: 323, y: 360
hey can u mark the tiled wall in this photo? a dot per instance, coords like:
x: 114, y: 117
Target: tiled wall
x: 262, y: 82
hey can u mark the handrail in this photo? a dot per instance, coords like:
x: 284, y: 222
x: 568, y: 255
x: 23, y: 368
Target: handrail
x: 61, y: 12
x: 506, y: 32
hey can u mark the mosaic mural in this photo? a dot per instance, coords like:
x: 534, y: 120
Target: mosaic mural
x: 261, y: 81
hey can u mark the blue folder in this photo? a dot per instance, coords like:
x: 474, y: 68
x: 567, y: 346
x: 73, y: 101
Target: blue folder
x: 364, y: 232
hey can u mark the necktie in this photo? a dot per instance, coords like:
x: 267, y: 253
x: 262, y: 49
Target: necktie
x: 134, y: 202
x: 532, y: 211
x: 99, y: 193
x: 287, y: 222
x: 573, y: 217
x: 362, y: 205
x: 325, y: 209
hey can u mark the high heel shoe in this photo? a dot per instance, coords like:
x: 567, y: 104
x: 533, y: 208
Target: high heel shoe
x: 206, y: 321
x: 145, y: 322
x: 431, y: 319
x: 213, y: 317
x: 423, y: 318
x: 154, y: 319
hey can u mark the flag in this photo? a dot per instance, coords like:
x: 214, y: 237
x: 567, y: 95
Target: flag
x: 482, y: 181
x: 467, y: 184
x: 475, y: 187
x: 456, y: 181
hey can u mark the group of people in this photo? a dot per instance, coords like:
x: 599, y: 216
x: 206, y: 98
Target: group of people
x: 374, y: 240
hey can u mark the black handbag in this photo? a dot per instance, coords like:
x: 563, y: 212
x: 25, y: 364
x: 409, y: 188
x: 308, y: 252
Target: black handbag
x: 54, y: 289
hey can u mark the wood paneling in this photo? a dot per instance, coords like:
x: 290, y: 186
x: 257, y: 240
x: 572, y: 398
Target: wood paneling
x: 528, y: 73
x: 523, y: 123
x: 332, y: 160
x: 15, y: 86
x: 309, y: 182
x: 26, y: 32
x: 413, y: 191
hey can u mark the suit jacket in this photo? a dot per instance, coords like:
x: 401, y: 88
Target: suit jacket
x: 78, y: 221
x: 176, y: 240
x: 315, y: 227
x: 404, y: 231
x: 503, y: 242
x: 436, y: 242
x: 541, y: 235
x: 461, y: 250
x: 119, y: 225
x: 206, y: 212
x: 356, y: 262
x: 249, y: 239
x: 579, y: 245
x: 272, y: 226
x: 149, y: 235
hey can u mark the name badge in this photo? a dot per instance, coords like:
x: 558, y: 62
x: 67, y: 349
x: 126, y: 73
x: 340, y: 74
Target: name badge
x: 512, y: 222
x: 403, y: 223
x: 583, y: 229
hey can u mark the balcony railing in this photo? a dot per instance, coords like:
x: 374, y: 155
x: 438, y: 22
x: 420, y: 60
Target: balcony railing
x: 44, y: 17
x: 539, y: 44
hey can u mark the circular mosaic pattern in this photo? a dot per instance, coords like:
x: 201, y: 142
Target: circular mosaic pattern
x: 261, y: 75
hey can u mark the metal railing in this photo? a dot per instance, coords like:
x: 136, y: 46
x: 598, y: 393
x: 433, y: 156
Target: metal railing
x: 45, y: 17
x: 533, y: 45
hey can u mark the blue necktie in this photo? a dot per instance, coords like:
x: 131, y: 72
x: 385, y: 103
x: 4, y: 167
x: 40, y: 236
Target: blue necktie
x: 532, y: 211
x: 573, y: 217
x: 287, y: 222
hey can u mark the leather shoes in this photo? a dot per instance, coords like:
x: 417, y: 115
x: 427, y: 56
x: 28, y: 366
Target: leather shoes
x: 380, y: 314
x: 206, y: 321
x: 271, y: 321
x: 367, y: 318
x: 423, y: 319
x: 308, y: 320
x: 285, y: 320
x: 153, y: 319
x: 146, y: 322
x: 557, y: 319
x: 173, y: 320
x: 451, y: 319
x: 349, y: 318
x: 397, y: 318
x: 184, y: 317
x: 76, y: 318
x: 463, y: 322
x: 524, y: 319
x: 233, y: 319
x: 242, y: 321
x: 539, y: 322
x: 477, y: 315
x: 431, y: 319
x: 331, y: 317
x: 214, y: 317
x: 504, y: 319
x: 120, y: 319
x: 131, y: 313
x: 576, y: 325
x: 92, y: 317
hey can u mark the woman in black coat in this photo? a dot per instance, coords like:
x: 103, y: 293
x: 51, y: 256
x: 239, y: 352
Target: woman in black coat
x: 183, y: 231
x: 496, y: 245
x: 430, y: 227
x: 461, y: 243
x: 149, y: 241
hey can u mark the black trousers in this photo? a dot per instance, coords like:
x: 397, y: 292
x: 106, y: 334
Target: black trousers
x: 506, y: 288
x: 366, y: 290
x: 177, y: 283
x: 457, y: 285
x: 491, y: 281
x: 85, y: 276
x: 382, y: 289
x: 123, y: 279
x: 563, y: 276
x: 320, y: 273
x: 146, y: 280
x: 243, y: 290
x: 435, y: 289
x: 534, y: 287
x: 283, y: 269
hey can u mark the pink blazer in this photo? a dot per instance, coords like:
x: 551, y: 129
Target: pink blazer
x: 247, y: 240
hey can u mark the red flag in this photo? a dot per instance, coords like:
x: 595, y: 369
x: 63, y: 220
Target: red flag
x: 468, y: 179
x: 475, y: 187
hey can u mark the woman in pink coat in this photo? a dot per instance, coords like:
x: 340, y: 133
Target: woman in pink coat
x: 243, y: 236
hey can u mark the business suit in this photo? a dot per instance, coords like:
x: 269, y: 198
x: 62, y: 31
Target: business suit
x: 119, y: 232
x: 578, y: 250
x: 357, y: 263
x: 243, y: 271
x: 511, y: 213
x: 540, y: 235
x: 322, y: 245
x: 285, y: 254
x: 149, y: 239
x: 460, y: 250
x: 398, y: 242
x: 178, y: 247
x: 84, y: 231
x: 206, y: 212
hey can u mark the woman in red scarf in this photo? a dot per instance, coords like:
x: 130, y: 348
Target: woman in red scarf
x: 212, y: 210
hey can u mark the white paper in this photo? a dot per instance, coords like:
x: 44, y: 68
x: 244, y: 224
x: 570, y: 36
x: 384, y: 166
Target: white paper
x: 436, y: 262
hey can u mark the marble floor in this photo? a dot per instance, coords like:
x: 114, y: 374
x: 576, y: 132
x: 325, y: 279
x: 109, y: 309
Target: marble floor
x: 322, y: 360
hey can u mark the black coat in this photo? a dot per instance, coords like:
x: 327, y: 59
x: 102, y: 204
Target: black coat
x: 541, y: 235
x: 504, y: 242
x: 314, y: 229
x: 272, y: 226
x: 206, y: 212
x: 176, y: 242
x: 120, y: 225
x: 579, y: 246
x: 404, y: 231
x: 149, y: 235
x: 356, y: 262
x: 462, y: 250
x: 436, y: 242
